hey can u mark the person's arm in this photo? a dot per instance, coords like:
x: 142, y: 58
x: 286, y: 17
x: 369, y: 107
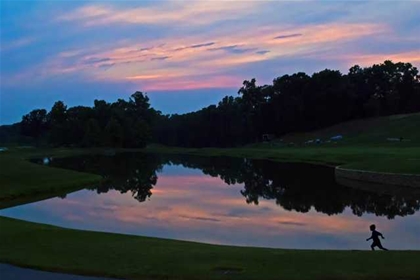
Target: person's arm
x: 381, y: 235
x: 369, y: 238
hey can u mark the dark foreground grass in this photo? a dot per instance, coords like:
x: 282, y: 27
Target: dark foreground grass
x: 93, y: 253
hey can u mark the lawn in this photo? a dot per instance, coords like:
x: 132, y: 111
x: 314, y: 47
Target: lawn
x: 94, y: 253
x: 365, y: 145
x: 391, y: 159
x: 22, y: 181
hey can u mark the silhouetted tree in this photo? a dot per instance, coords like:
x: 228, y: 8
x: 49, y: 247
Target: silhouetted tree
x: 93, y: 134
x: 292, y: 103
x: 295, y: 103
x: 34, y: 124
x: 114, y: 133
x: 57, y: 119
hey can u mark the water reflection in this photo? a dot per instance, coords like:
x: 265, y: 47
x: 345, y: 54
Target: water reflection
x: 227, y: 201
x: 294, y: 187
x: 126, y: 172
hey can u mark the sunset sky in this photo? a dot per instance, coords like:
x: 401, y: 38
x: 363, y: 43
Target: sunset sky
x: 186, y: 54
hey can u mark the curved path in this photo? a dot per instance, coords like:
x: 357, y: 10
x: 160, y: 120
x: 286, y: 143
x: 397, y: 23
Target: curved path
x: 10, y: 272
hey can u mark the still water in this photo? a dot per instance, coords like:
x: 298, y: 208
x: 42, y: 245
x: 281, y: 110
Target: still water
x: 227, y: 201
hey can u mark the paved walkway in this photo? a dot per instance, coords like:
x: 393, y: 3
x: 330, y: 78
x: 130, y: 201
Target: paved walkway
x: 10, y: 272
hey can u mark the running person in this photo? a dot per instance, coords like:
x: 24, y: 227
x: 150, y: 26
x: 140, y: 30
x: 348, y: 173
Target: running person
x: 375, y: 238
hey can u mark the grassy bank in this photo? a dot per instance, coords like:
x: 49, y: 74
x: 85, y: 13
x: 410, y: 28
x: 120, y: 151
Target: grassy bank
x: 22, y: 181
x: 93, y: 253
x: 368, y: 144
x: 381, y: 159
x: 368, y: 132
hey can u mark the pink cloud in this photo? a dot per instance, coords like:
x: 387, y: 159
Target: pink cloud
x: 172, y: 63
x: 188, y: 83
x: 16, y: 44
x: 369, y: 59
x: 189, y: 12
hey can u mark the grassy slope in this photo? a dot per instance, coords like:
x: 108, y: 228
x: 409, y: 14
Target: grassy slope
x: 22, y: 181
x: 374, y: 131
x: 364, y: 146
x: 381, y: 159
x: 94, y: 253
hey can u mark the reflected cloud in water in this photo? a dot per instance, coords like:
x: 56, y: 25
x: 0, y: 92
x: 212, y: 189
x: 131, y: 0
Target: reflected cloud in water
x: 227, y: 201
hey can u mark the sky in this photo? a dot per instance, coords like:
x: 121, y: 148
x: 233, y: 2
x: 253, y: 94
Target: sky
x: 186, y: 54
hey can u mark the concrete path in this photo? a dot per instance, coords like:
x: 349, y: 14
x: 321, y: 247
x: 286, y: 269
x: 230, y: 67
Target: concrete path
x: 10, y: 272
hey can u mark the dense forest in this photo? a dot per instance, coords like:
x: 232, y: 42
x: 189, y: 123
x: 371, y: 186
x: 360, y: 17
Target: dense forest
x: 292, y: 103
x: 119, y: 124
x: 296, y: 103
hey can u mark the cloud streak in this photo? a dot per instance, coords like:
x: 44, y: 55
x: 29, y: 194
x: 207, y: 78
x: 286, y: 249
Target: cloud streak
x: 192, y: 62
x: 166, y: 12
x: 16, y: 44
x: 191, y: 45
x: 288, y: 36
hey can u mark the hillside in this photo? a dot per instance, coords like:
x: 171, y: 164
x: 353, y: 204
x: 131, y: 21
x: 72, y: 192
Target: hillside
x: 373, y: 131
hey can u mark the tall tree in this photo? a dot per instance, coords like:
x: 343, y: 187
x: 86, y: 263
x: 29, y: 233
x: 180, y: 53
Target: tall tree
x: 34, y: 124
x: 57, y: 119
x: 114, y: 134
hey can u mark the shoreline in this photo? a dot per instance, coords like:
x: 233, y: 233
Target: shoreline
x: 88, y: 252
x: 382, y: 178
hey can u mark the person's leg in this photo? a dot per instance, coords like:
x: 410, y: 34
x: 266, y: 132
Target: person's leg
x: 373, y: 246
x: 381, y: 247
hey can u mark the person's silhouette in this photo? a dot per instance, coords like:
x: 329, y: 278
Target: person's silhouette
x: 375, y: 238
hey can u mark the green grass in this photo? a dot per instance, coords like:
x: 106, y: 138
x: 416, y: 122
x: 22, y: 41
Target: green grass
x: 373, y: 131
x: 22, y: 181
x: 380, y: 159
x: 93, y: 253
x: 364, y: 146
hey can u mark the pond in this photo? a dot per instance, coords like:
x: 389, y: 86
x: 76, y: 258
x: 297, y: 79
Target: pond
x: 227, y: 201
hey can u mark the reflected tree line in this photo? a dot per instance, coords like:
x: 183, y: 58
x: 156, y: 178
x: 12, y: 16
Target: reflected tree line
x: 294, y: 187
x: 127, y: 172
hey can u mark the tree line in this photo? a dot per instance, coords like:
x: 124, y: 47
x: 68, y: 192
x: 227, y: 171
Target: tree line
x: 118, y: 124
x: 292, y: 103
x: 296, y: 103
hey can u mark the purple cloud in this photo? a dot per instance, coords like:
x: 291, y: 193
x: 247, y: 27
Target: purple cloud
x: 288, y: 36
x: 293, y: 223
x: 262, y: 52
x: 202, y: 45
x: 106, y: 66
x: 94, y: 60
x: 196, y: 46
x: 235, y: 49
x: 159, y: 58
